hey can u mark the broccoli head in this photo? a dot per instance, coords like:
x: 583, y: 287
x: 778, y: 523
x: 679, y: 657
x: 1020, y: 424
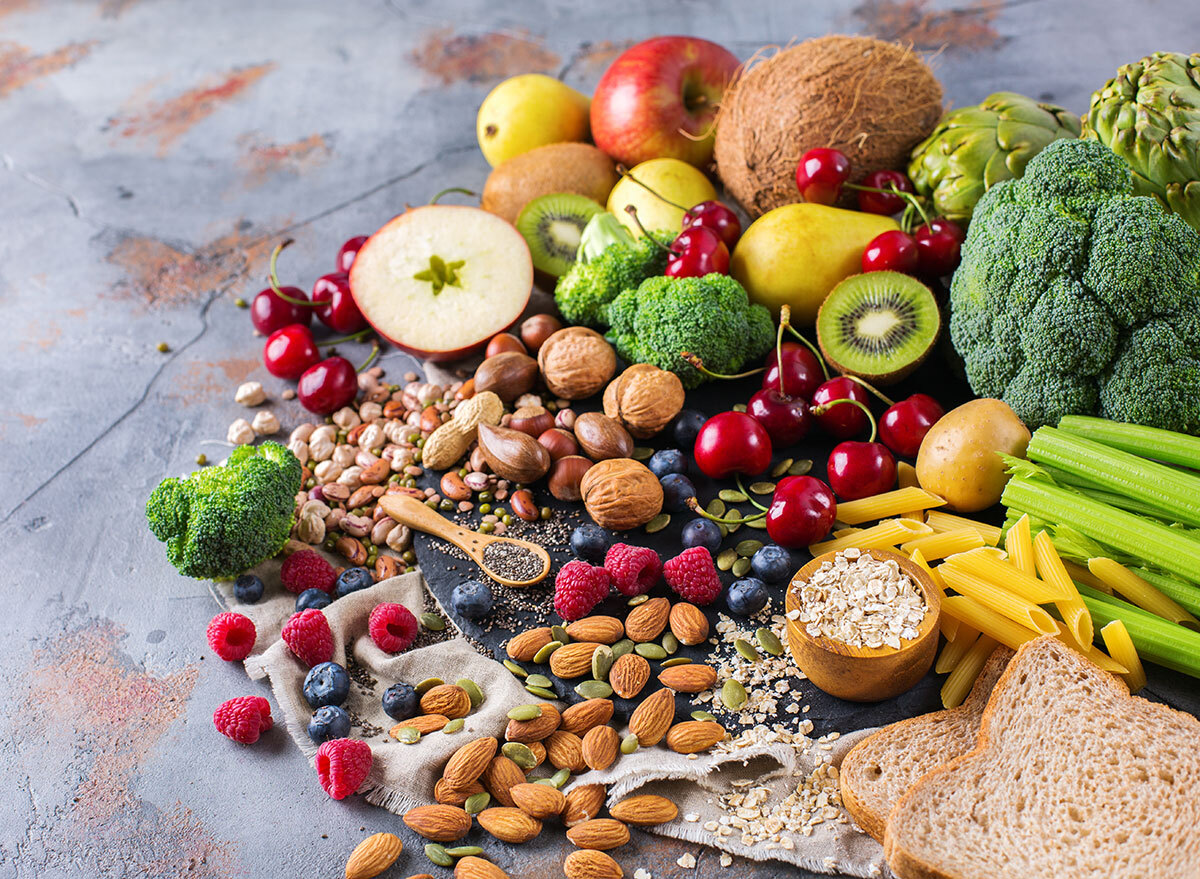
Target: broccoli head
x: 610, y: 260
x: 710, y: 317
x: 1076, y: 296
x: 220, y: 521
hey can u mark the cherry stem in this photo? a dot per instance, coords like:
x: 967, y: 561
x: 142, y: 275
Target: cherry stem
x: 911, y: 200
x: 632, y: 211
x: 749, y: 497
x: 785, y: 314
x: 695, y: 361
x: 361, y: 334
x: 624, y: 172
x: 825, y: 407
x: 451, y: 189
x: 694, y: 506
x: 811, y: 347
x: 375, y: 353
x: 273, y: 278
x: 870, y: 387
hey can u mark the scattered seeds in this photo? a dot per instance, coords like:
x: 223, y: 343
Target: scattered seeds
x: 629, y: 744
x: 744, y: 647
x: 732, y: 496
x: 464, y: 851
x: 637, y: 599
x: 759, y: 523
x: 716, y: 507
x: 781, y: 468
x: 769, y: 641
x: 560, y: 778
x: 650, y: 650
x: 726, y: 558
x: 544, y: 692
x: 670, y: 643
x: 641, y: 453
x: 622, y: 647
x: 544, y: 654
x: 558, y: 633
x: 520, y: 754
x: 163, y: 347
x: 432, y: 622
x: 749, y: 547
x: 473, y: 691
x: 658, y: 523
x: 476, y: 803
x: 438, y: 855
x: 602, y: 660
x: 697, y: 715
x: 800, y: 468
x: 408, y: 735
x: 544, y: 781
x: 762, y: 487
x: 739, y: 407
x: 524, y: 712
x: 538, y: 681
x: 740, y: 567
x: 453, y: 726
x: 515, y: 669
x: 428, y: 684
x: 733, y: 695
x: 676, y: 660
x: 594, y: 690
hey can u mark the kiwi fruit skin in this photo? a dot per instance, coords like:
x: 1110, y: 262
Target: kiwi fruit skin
x: 552, y: 226
x: 853, y: 297
x: 556, y: 167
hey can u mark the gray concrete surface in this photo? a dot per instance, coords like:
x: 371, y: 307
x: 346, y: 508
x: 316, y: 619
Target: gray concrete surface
x: 150, y: 154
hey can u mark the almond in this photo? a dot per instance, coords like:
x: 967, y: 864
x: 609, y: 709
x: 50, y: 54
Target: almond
x: 645, y: 810
x: 582, y: 716
x: 468, y: 762
x: 539, y: 801
x: 535, y: 730
x: 573, y: 660
x: 509, y: 825
x: 688, y: 624
x: 628, y: 675
x: 694, y: 736
x: 600, y: 747
x: 501, y: 776
x: 422, y: 723
x: 438, y: 823
x: 691, y: 678
x: 651, y: 720
x: 647, y: 621
x: 601, y: 629
x: 452, y: 796
x: 588, y: 863
x: 601, y: 834
x: 472, y: 867
x: 584, y: 801
x: 564, y: 750
x: 373, y: 855
x: 448, y: 699
x: 524, y: 647
x: 539, y: 754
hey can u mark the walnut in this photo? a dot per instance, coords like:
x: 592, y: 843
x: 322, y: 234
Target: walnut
x: 644, y: 398
x: 576, y: 362
x: 621, y: 493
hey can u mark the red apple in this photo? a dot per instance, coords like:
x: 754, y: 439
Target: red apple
x: 439, y: 281
x: 659, y: 99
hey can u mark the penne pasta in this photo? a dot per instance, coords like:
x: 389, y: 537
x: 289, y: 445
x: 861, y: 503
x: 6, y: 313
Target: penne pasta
x: 1120, y: 646
x: 1019, y: 546
x: 955, y: 650
x: 970, y: 612
x: 1080, y: 574
x: 938, y: 546
x: 890, y: 503
x: 951, y: 628
x: 1008, y: 604
x: 939, y: 522
x: 1093, y: 653
x: 1074, y: 612
x: 886, y: 535
x: 842, y: 532
x: 958, y: 685
x: 906, y: 477
x: 984, y: 564
x: 919, y: 560
x: 1141, y: 593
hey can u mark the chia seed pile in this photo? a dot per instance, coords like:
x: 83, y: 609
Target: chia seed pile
x: 512, y: 562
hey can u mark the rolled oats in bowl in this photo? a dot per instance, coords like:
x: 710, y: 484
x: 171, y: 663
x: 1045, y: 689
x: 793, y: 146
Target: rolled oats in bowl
x: 861, y: 601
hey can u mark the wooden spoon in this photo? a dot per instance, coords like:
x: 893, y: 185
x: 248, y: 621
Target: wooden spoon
x: 409, y: 511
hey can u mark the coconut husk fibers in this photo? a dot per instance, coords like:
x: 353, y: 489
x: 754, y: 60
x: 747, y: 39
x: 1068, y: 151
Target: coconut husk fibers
x: 870, y: 99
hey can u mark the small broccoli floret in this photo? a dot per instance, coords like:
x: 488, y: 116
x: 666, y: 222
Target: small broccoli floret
x: 220, y: 521
x: 710, y: 317
x: 1156, y: 379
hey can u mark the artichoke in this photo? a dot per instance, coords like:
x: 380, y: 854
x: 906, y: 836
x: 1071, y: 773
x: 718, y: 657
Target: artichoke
x: 1149, y: 115
x: 973, y: 148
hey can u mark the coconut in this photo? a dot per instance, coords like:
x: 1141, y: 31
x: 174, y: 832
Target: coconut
x: 556, y: 167
x: 872, y: 100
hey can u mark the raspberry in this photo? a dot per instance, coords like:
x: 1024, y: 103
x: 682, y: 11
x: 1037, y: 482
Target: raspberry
x: 578, y: 588
x: 693, y: 576
x: 231, y: 636
x: 243, y: 719
x: 393, y: 628
x: 634, y: 569
x: 342, y: 766
x: 306, y: 569
x: 308, y: 636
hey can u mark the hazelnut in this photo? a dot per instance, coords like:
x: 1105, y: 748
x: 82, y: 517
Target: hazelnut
x: 559, y: 443
x: 601, y: 437
x: 533, y: 420
x: 502, y: 342
x: 507, y: 375
x: 566, y: 474
x: 537, y: 329
x: 513, y: 455
x: 576, y: 362
x: 621, y: 493
x: 644, y: 398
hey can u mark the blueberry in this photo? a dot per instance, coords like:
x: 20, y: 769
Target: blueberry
x: 313, y: 598
x: 687, y: 425
x: 326, y: 684
x: 667, y: 461
x: 590, y: 543
x: 677, y: 489
x: 353, y: 579
x: 702, y: 532
x: 747, y: 597
x: 329, y: 722
x: 472, y: 599
x: 400, y: 701
x: 772, y: 564
x: 248, y: 588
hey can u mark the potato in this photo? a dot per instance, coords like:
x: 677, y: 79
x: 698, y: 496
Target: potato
x: 958, y: 459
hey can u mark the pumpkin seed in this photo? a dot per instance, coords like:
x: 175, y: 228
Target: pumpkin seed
x: 781, y: 468
x: 749, y: 547
x: 594, y: 690
x: 637, y: 599
x: 724, y: 529
x: 515, y: 669
x: 560, y: 778
x: 670, y: 643
x: 602, y: 660
x: 542, y: 691
x: 726, y: 558
x: 438, y: 855
x: 739, y: 407
x: 558, y: 633
x: 744, y: 647
x: 453, y: 726
x: 544, y: 654
x: 408, y: 735
x: 650, y: 650
x: 716, y: 507
x: 759, y: 523
x: 641, y: 453
x: 676, y: 660
x: 464, y: 851
x: 740, y: 567
x: 428, y: 684
x: 733, y: 695
x: 735, y: 514
x: 432, y: 622
x: 732, y: 496
x: 539, y: 681
x: 696, y: 715
x: 621, y: 648
x: 769, y: 642
x: 658, y: 523
x: 629, y: 744
x: 520, y: 754
x: 525, y: 712
x: 473, y: 691
x: 762, y: 487
x: 476, y: 803
x: 800, y: 468
x: 544, y: 781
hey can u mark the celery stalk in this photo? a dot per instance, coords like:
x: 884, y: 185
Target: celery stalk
x: 1149, y: 442
x: 1157, y: 640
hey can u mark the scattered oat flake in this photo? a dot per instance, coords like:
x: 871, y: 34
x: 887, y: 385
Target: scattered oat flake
x: 687, y: 861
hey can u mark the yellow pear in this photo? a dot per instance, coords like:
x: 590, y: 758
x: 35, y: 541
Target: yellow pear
x: 651, y: 187
x: 528, y: 111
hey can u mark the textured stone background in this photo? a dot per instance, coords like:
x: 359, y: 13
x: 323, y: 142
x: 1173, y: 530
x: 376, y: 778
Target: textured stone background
x: 150, y: 154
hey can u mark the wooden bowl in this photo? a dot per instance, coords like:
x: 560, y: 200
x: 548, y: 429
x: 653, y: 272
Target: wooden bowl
x: 866, y: 674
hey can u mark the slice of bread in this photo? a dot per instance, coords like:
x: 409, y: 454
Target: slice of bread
x: 882, y: 767
x: 1072, y: 778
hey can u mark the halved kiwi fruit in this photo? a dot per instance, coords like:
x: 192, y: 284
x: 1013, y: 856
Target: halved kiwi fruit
x: 878, y: 326
x: 552, y: 226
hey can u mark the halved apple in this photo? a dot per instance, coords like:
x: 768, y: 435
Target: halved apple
x: 439, y: 281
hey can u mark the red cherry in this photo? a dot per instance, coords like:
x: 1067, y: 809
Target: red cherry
x: 731, y: 443
x: 894, y: 251
x: 821, y: 174
x: 340, y: 313
x: 938, y: 253
x: 289, y: 351
x: 350, y: 249
x: 886, y: 202
x: 699, y: 251
x: 904, y: 424
x: 940, y: 224
x: 716, y: 216
x: 327, y: 386
x: 858, y: 469
x: 844, y: 419
x: 802, y: 511
x: 269, y: 313
x: 802, y: 373
x: 785, y: 418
